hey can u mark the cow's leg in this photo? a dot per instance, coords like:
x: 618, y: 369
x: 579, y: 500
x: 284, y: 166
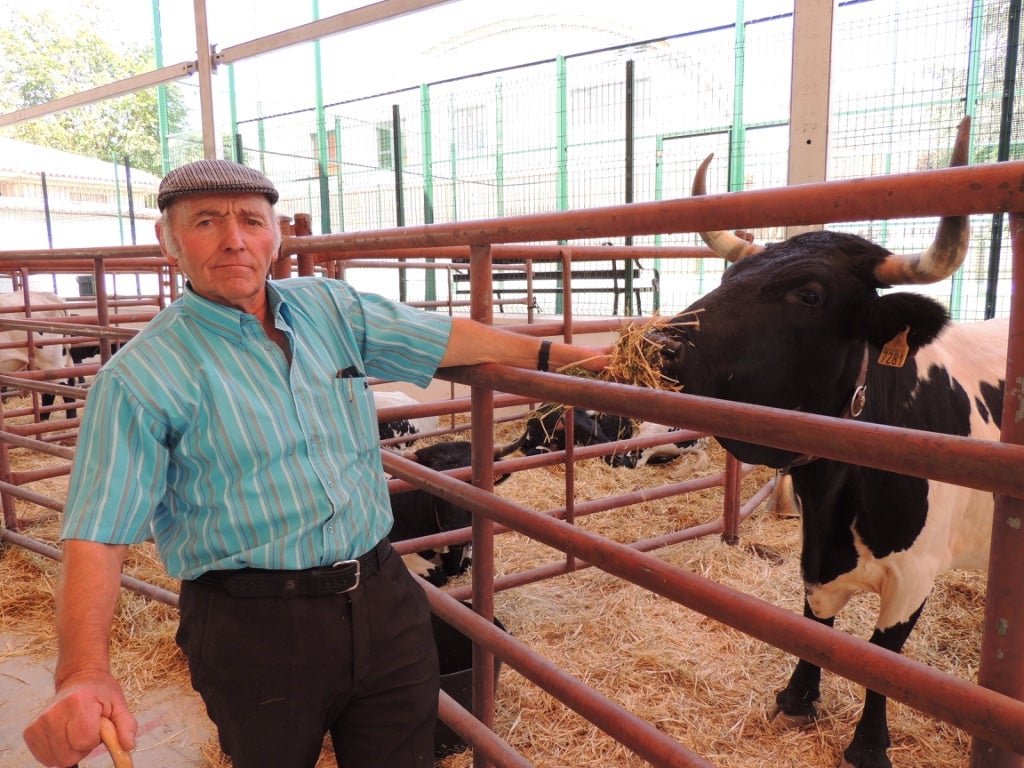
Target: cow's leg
x: 47, y: 399
x: 796, y: 700
x: 871, y: 739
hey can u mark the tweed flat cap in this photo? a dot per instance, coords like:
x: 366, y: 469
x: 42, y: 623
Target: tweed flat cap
x: 205, y: 176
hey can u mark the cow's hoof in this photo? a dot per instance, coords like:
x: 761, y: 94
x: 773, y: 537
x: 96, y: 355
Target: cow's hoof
x: 885, y: 763
x: 783, y: 721
x: 860, y: 755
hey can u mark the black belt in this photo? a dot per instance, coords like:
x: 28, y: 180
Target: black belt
x: 343, y: 576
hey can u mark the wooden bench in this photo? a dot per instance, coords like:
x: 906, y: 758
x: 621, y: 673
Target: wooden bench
x: 614, y: 274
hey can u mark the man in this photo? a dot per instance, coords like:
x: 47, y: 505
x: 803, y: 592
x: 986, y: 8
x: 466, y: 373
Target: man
x: 238, y: 430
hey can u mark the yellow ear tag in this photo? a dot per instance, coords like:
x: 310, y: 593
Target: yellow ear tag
x: 896, y: 350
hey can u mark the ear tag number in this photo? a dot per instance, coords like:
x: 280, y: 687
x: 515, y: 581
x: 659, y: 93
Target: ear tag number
x: 896, y: 350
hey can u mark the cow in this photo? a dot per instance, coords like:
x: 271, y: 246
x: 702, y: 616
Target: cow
x: 396, y: 428
x: 418, y: 513
x: 801, y: 325
x: 80, y: 353
x: 665, y: 452
x: 545, y: 432
x: 44, y: 355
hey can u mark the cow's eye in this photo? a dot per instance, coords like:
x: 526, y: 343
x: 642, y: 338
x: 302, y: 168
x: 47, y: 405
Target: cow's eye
x: 809, y: 297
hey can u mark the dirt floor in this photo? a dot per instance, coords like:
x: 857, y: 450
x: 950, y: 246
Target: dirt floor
x: 702, y: 683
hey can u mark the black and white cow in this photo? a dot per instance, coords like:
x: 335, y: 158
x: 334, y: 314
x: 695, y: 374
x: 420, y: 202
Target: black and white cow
x: 545, y: 432
x: 801, y: 325
x: 418, y: 513
x: 396, y: 428
x: 44, y: 354
x: 664, y: 452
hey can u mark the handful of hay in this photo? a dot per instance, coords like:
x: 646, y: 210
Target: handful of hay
x: 635, y: 357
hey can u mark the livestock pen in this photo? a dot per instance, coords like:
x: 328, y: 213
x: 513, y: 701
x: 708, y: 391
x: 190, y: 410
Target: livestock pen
x: 991, y: 712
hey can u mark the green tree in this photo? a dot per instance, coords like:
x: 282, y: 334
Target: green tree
x: 43, y: 58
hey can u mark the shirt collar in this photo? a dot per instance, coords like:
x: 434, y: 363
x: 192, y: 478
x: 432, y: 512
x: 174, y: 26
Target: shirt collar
x: 228, y: 321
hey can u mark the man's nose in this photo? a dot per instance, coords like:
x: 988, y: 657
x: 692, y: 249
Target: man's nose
x: 232, y: 235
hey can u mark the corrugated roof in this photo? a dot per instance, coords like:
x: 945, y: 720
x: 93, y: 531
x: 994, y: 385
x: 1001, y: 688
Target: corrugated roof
x: 22, y: 157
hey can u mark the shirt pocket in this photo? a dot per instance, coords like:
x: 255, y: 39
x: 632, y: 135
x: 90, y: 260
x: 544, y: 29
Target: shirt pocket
x: 356, y: 398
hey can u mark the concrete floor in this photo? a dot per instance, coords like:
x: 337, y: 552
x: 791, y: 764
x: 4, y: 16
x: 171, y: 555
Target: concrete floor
x: 172, y: 723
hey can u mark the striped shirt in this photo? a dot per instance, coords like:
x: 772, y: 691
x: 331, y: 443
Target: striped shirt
x: 200, y: 435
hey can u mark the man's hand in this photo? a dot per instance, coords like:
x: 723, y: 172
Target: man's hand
x: 69, y: 728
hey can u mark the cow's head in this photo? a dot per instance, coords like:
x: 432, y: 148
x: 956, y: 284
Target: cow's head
x: 447, y: 515
x: 789, y: 324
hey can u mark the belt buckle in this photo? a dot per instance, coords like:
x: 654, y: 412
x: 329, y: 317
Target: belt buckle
x: 358, y: 565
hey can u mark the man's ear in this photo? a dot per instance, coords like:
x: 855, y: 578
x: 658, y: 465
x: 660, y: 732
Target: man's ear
x: 168, y: 256
x: 277, y: 250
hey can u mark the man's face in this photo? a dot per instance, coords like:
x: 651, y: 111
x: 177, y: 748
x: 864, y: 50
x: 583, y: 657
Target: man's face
x: 224, y: 244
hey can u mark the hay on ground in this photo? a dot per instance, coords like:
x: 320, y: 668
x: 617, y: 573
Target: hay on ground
x: 706, y: 685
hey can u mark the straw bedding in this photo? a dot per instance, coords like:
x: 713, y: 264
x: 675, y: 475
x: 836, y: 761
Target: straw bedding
x: 702, y: 683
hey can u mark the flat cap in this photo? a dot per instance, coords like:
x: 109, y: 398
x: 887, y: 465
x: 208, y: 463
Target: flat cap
x: 204, y: 177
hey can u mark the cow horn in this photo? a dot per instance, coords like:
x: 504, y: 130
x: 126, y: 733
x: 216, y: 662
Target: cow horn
x: 504, y: 449
x: 949, y: 248
x: 727, y: 245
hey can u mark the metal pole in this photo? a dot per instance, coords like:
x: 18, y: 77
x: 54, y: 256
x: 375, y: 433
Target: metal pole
x: 323, y: 157
x: 482, y: 437
x: 430, y: 289
x: 340, y: 174
x: 1002, y: 642
x: 627, y: 303
x: 396, y: 143
x: 131, y: 201
x: 499, y: 149
x: 46, y: 210
x: 233, y: 111
x: 205, y: 60
x: 1003, y: 152
x: 562, y: 144
x: 161, y: 90
x: 737, y: 150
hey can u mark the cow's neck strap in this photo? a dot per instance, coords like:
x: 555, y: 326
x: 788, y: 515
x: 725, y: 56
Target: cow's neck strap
x: 852, y: 410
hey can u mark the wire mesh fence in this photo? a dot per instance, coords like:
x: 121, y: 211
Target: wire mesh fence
x: 632, y: 122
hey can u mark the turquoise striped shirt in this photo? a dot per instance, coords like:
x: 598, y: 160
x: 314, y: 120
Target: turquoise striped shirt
x: 200, y: 435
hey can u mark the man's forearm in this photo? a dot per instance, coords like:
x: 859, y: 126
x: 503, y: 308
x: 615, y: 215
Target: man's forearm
x: 87, y: 595
x: 472, y: 343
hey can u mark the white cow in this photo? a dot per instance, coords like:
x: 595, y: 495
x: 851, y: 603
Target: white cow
x: 401, y: 427
x: 45, y: 354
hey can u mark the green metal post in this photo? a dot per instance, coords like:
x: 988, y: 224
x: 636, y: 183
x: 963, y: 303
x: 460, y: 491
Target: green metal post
x: 261, y: 139
x: 161, y: 90
x: 321, y: 134
x: 627, y: 304
x: 452, y: 158
x: 659, y: 192
x: 737, y: 138
x: 397, y: 155
x: 233, y: 105
x: 973, y: 74
x: 499, y: 149
x: 562, y: 126
x: 430, y: 279
x: 340, y: 175
x: 1013, y: 26
x: 117, y: 197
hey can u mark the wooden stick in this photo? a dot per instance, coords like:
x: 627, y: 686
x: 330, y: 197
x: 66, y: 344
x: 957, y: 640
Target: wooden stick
x: 108, y: 735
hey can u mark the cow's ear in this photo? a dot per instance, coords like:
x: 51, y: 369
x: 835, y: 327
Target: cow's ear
x: 887, y: 316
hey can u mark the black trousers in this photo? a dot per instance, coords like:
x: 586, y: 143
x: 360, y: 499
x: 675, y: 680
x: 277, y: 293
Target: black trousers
x: 277, y: 674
